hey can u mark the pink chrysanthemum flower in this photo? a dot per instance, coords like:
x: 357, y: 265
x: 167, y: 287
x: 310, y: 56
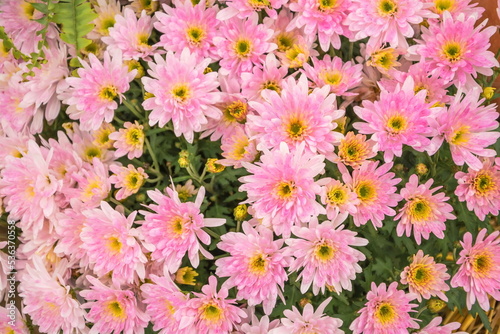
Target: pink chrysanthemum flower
x: 91, y: 96
x: 246, y: 8
x: 130, y: 35
x: 481, y: 189
x: 242, y: 44
x: 182, y: 93
x: 17, y: 326
x: 479, y: 272
x: 376, y: 191
x: 398, y: 118
x: 127, y: 179
x: 111, y: 244
x: 113, y: 310
x: 175, y: 227
x: 106, y: 11
x: 354, y: 150
x: 256, y: 265
x: 386, y: 311
x: 338, y: 198
x: 48, y: 299
x: 423, y: 211
x: 467, y: 126
x: 456, y: 7
x: 13, y: 114
x: 269, y: 77
x: 238, y: 147
x: 434, y: 328
x: 296, y: 117
x: 325, y: 254
x: 188, y: 26
x: 281, y: 187
x: 456, y: 50
x: 93, y: 184
x: 210, y: 312
x: 386, y: 21
x: 129, y: 141
x: 324, y: 18
x: 425, y: 277
x: 162, y: 299
x: 333, y: 72
x: 262, y: 326
x: 309, y: 321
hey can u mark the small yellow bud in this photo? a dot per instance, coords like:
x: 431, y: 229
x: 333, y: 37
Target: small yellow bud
x: 135, y: 65
x: 207, y: 70
x: 240, y: 212
x: 186, y: 275
x: 399, y: 167
x: 435, y: 305
x: 488, y: 92
x: 140, y: 198
x: 304, y: 301
x: 421, y: 169
x: 214, y: 167
x: 183, y: 159
x: 148, y: 95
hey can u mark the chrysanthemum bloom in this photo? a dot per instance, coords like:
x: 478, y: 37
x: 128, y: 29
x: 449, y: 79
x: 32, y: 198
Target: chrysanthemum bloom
x: 456, y: 7
x: 325, y: 254
x: 48, y: 299
x: 127, y: 179
x: 376, y: 191
x: 113, y: 310
x: 17, y: 326
x: 246, y: 8
x: 456, y: 50
x: 309, y: 322
x: 111, y: 244
x: 181, y: 93
x: 130, y: 35
x: 281, y: 187
x: 210, y: 312
x: 424, y: 211
x: 333, y: 72
x: 386, y: 311
x: 354, y: 150
x: 242, y: 44
x: 162, y: 299
x: 101, y: 136
x: 298, y: 53
x: 106, y: 12
x: 325, y: 18
x: 386, y: 21
x: 338, y: 198
x: 425, y: 277
x: 129, y: 141
x: 175, y: 227
x: 188, y: 26
x: 186, y: 276
x: 256, y: 265
x: 150, y: 7
x: 296, y: 117
x: 269, y: 77
x: 479, y: 272
x: 434, y: 328
x: 91, y: 96
x: 85, y: 147
x: 238, y: 147
x: 262, y: 326
x: 186, y: 191
x: 13, y: 114
x: 468, y: 127
x: 398, y: 118
x: 480, y: 189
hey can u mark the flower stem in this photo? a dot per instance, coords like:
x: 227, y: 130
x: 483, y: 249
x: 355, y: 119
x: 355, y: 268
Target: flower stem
x: 133, y: 109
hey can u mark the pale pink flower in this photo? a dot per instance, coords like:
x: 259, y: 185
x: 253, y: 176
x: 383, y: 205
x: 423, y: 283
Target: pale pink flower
x: 456, y: 7
x: 354, y: 150
x: 386, y: 21
x: 282, y: 189
x: 398, y: 118
x: 242, y: 44
x: 130, y: 36
x: 91, y: 96
x: 188, y: 26
x: 85, y: 146
x: 269, y: 77
x: 182, y: 93
x: 386, y: 311
x: 262, y: 326
x: 325, y: 254
x: 479, y: 272
x: 457, y: 50
x: 434, y: 328
x: 17, y: 326
x: 338, y: 198
x: 468, y: 127
x: 175, y: 228
x: 324, y: 18
x: 112, y: 244
x: 113, y: 310
x: 256, y: 265
x: 162, y: 298
x: 480, y: 189
x: 13, y: 114
x: 127, y: 179
x: 296, y: 117
x: 48, y: 300
x: 106, y: 11
x: 246, y: 8
x: 423, y: 211
x: 375, y: 187
x: 129, y: 141
x: 425, y: 277
x: 209, y: 312
x: 238, y: 147
x: 309, y: 321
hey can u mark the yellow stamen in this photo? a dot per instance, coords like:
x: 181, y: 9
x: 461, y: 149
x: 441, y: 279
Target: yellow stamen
x: 285, y: 41
x: 180, y: 92
x: 483, y: 263
x: 108, y: 93
x: 327, y: 5
x: 238, y: 150
x: 366, y: 191
x: 452, y: 51
x: 337, y: 195
x: 114, y: 245
x: 387, y: 7
x: 243, y: 47
x: 420, y: 274
x: 385, y: 313
x: 258, y: 4
x: 296, y: 128
x: 419, y: 209
x: 333, y: 78
x: 116, y: 309
x: 134, y: 136
x: 324, y: 252
x: 176, y: 225
x: 28, y: 10
x: 92, y: 152
x: 396, y: 124
x: 195, y: 35
x: 297, y: 55
x: 484, y: 184
x: 285, y: 190
x: 257, y: 264
x: 272, y: 85
x: 443, y: 5
x: 211, y: 312
x: 460, y: 136
x: 186, y: 275
x: 236, y: 112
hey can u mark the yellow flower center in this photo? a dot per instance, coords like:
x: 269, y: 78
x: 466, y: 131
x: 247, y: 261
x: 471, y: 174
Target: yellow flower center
x: 239, y: 149
x: 30, y: 192
x: 176, y: 225
x: 297, y: 55
x: 442, y: 5
x: 483, y: 263
x: 460, y: 136
x: 385, y: 313
x: 106, y: 23
x: 258, y: 4
x: 102, y: 137
x: 9, y: 330
x: 180, y: 92
x: 134, y: 180
x: 272, y: 85
x: 285, y: 41
x: 419, y: 209
x: 114, y: 245
x: 296, y: 128
x: 333, y: 78
x: 134, y: 137
x: 484, y: 184
x: 28, y: 9
x: 108, y: 93
x: 142, y: 39
x: 186, y: 275
x: 337, y: 195
x: 366, y: 191
x: 257, y: 264
x: 236, y: 112
x: 195, y: 34
x: 324, y: 252
x: 211, y: 312
x: 116, y: 310
x: 384, y: 59
x: 88, y: 192
x: 396, y: 124
x: 285, y: 190
x: 387, y: 7
x: 242, y: 47
x: 326, y: 5
x: 452, y: 51
x: 92, y: 152
x: 420, y: 274
x: 169, y: 308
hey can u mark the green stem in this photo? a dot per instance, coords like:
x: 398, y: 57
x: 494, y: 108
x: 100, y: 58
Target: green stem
x: 112, y: 200
x: 153, y: 156
x: 238, y: 226
x: 133, y: 109
x: 212, y: 233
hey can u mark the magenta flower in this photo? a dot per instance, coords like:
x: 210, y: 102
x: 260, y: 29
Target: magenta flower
x: 281, y: 187
x: 324, y: 253
x: 479, y: 272
x: 387, y: 311
x: 256, y: 266
x: 424, y: 211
